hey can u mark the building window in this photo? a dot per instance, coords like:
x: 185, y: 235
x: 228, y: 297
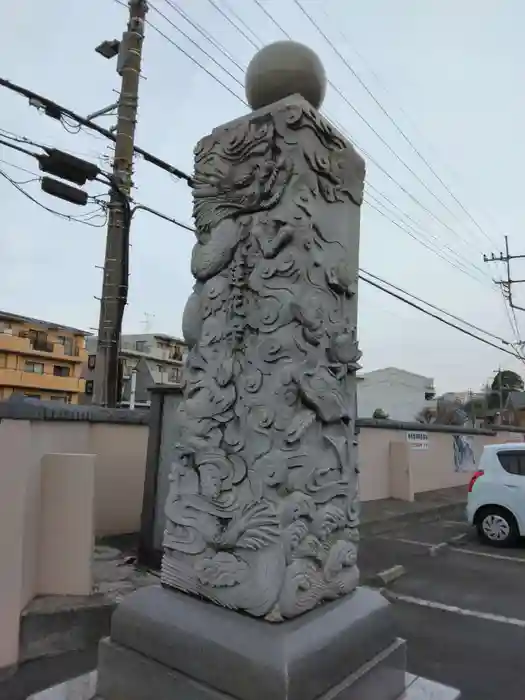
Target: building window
x: 62, y: 399
x: 91, y: 361
x: 176, y: 353
x: 61, y: 371
x: 39, y: 340
x: 141, y: 346
x: 89, y: 387
x: 429, y: 395
x: 67, y: 342
x: 175, y: 375
x: 3, y: 361
x: 33, y: 396
x: 34, y: 367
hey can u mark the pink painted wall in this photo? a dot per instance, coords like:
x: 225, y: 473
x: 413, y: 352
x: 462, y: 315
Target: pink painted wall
x: 61, y: 483
x: 388, y: 472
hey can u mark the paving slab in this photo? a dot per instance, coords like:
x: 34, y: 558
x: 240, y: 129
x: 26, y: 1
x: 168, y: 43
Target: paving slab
x: 377, y: 554
x: 474, y: 583
x: 430, y: 533
x: 380, y: 515
x: 483, y: 660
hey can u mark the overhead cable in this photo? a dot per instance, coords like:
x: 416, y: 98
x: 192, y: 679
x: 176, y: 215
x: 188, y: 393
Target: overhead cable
x: 392, y: 120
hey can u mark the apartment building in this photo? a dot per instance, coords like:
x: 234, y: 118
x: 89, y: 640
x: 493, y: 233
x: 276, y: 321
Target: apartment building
x: 40, y: 359
x: 155, y: 358
x: 400, y: 394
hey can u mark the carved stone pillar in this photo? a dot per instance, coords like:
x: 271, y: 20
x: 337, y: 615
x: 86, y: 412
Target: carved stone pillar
x: 262, y: 513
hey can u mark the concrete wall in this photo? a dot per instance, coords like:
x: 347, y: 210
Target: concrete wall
x: 106, y: 472
x: 66, y: 474
x: 120, y: 452
x: 392, y: 465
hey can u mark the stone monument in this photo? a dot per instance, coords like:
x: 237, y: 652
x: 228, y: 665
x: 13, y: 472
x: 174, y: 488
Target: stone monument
x: 259, y: 595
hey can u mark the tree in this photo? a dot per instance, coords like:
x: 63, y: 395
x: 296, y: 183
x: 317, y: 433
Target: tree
x: 379, y: 414
x: 426, y: 415
x: 445, y: 413
x: 503, y: 383
x: 476, y: 409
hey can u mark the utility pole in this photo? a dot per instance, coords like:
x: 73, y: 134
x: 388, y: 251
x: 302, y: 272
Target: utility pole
x: 115, y: 280
x: 500, y: 389
x: 506, y: 284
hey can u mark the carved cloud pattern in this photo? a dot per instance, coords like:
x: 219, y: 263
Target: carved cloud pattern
x: 262, y: 512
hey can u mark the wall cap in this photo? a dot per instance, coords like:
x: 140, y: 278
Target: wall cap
x: 414, y: 426
x: 22, y: 408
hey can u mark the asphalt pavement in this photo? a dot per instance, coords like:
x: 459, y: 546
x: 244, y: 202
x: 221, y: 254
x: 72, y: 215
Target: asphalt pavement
x: 460, y: 605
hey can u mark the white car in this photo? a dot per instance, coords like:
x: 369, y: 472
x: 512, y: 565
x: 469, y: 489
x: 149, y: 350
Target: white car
x: 496, y: 494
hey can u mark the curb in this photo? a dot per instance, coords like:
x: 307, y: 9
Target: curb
x: 383, y: 578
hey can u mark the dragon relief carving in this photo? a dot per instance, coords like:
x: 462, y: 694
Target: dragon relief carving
x: 262, y: 512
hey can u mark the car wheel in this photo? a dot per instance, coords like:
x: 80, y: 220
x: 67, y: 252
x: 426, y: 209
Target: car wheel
x: 497, y: 527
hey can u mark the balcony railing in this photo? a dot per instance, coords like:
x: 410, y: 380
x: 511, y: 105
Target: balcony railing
x: 42, y: 345
x: 33, y: 380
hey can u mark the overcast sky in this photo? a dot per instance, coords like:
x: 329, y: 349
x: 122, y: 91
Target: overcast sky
x: 449, y: 72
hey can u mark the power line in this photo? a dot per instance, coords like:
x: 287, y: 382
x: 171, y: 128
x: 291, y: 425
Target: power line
x: 423, y: 243
x: 437, y: 308
x: 239, y: 19
x: 49, y: 105
x: 391, y: 293
x: 341, y: 94
x: 150, y: 210
x: 408, y: 216
x: 203, y: 33
x: 382, y: 83
x: 438, y: 318
x: 378, y: 165
x: 230, y: 21
x: 368, y: 281
x: 368, y: 155
x: 392, y: 121
x: 398, y: 157
x: 56, y: 111
x: 417, y: 236
x: 19, y: 167
x: 197, y: 63
x: 272, y: 19
x: 192, y: 41
x: 506, y: 284
x: 68, y: 217
x: 429, y: 240
x: 220, y: 47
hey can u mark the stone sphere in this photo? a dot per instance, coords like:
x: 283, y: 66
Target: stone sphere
x: 282, y: 69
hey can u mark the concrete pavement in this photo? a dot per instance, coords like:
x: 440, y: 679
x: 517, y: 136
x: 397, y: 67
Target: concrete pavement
x: 460, y: 605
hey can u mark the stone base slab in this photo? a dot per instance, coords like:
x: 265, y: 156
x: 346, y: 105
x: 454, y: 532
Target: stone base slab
x: 423, y: 689
x: 126, y: 675
x: 166, y: 644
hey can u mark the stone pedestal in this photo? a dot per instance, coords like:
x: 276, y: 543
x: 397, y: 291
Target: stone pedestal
x: 165, y: 644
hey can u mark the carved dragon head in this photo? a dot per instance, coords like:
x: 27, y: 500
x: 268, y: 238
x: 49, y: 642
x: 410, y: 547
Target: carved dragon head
x: 238, y: 170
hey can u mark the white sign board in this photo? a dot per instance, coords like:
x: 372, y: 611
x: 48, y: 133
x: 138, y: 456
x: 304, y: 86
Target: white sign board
x: 418, y: 441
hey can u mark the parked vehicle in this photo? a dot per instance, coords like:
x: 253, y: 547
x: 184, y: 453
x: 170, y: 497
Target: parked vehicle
x: 496, y: 494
